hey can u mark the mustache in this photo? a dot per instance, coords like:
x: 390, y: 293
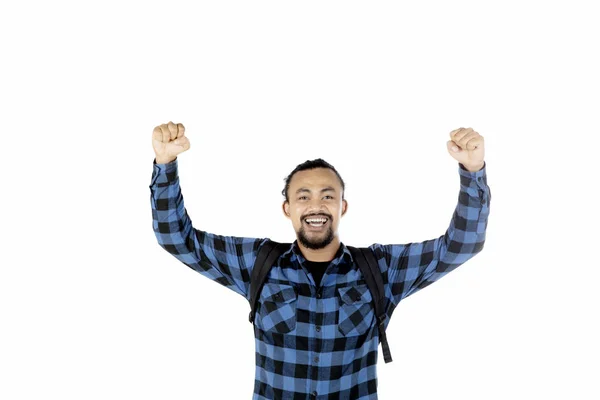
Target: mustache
x: 316, y: 215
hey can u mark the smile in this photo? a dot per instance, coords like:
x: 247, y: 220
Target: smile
x: 316, y: 222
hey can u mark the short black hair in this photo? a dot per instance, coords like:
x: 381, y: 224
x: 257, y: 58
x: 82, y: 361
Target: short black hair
x: 311, y: 164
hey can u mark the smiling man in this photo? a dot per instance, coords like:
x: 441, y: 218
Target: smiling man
x: 315, y: 329
x: 316, y: 206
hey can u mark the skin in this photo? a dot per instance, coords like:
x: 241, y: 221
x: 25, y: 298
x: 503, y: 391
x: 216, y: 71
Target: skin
x: 469, y: 146
x: 320, y: 195
x: 168, y: 141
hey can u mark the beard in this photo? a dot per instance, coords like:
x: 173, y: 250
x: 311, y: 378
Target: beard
x: 316, y: 243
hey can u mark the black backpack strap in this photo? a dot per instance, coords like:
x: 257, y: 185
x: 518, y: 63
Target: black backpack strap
x: 365, y: 258
x: 268, y: 253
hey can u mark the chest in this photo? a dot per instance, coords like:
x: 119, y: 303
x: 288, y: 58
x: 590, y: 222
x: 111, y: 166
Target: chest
x: 290, y: 303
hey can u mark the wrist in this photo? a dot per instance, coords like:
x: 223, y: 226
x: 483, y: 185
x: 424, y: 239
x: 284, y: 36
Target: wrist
x: 164, y: 160
x: 475, y: 167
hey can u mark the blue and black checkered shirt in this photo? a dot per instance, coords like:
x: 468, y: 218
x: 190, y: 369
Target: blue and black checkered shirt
x: 318, y: 342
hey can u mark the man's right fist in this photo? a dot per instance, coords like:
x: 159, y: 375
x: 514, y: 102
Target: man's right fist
x: 168, y: 141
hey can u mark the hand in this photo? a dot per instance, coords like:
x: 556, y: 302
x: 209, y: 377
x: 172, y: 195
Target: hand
x: 168, y: 141
x: 470, y: 148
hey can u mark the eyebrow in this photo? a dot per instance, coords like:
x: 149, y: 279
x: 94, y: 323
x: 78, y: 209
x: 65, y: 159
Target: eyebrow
x: 327, y: 189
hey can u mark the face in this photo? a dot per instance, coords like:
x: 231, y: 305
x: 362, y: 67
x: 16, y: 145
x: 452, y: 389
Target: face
x: 316, y: 195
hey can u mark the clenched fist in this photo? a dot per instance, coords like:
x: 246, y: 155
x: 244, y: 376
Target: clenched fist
x: 168, y: 141
x: 467, y: 147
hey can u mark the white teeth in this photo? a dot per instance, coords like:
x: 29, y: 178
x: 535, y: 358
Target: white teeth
x: 316, y: 220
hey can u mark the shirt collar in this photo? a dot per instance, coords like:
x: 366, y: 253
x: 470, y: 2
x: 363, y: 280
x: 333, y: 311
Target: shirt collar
x: 343, y: 255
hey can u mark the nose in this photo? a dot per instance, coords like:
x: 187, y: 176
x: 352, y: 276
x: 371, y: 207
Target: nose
x: 315, y: 202
x: 316, y: 207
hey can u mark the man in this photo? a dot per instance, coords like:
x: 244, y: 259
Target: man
x: 309, y: 342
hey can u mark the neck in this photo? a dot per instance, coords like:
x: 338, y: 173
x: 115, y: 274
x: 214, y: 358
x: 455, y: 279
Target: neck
x: 327, y: 253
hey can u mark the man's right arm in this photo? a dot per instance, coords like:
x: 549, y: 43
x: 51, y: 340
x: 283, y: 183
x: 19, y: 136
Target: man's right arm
x: 227, y: 260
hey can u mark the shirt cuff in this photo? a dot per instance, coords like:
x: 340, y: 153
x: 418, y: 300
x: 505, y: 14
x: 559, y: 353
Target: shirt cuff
x: 164, y: 174
x: 477, y: 178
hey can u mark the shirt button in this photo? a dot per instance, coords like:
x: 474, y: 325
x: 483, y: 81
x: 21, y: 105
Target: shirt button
x: 482, y: 201
x: 313, y: 394
x: 319, y: 294
x: 358, y: 298
x: 318, y: 328
x: 316, y: 359
x: 479, y: 179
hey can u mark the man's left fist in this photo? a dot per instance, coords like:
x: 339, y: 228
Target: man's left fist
x: 469, y: 148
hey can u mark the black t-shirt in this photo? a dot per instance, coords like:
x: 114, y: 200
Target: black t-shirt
x: 317, y: 269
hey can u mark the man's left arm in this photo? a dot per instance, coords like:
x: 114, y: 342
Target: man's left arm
x: 413, y: 266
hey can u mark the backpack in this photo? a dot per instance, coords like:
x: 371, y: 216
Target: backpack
x: 363, y: 256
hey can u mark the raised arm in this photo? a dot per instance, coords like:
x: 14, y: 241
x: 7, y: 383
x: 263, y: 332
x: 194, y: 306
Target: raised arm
x: 413, y: 266
x: 227, y: 260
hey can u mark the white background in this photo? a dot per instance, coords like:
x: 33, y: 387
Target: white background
x: 92, y: 308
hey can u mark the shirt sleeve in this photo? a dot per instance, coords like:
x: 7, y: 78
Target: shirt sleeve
x: 413, y: 266
x: 227, y: 260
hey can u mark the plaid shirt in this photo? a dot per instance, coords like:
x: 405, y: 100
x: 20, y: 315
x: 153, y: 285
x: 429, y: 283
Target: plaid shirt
x: 318, y: 342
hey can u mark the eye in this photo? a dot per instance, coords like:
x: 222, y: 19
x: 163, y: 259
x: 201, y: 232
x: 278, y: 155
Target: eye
x: 301, y: 197
x: 331, y: 197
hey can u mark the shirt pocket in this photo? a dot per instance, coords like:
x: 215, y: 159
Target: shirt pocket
x: 355, y: 314
x: 277, y: 312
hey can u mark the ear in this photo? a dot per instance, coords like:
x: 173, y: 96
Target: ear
x: 286, y: 208
x: 344, y: 207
